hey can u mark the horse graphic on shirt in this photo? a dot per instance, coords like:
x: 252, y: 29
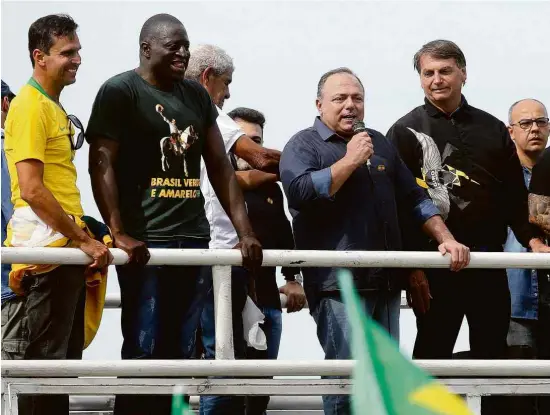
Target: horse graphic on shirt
x: 174, y: 147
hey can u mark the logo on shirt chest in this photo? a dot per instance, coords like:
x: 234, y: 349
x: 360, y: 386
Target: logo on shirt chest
x: 174, y: 147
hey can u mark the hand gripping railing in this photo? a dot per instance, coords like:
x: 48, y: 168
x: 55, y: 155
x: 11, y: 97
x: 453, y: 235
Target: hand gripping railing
x: 22, y: 374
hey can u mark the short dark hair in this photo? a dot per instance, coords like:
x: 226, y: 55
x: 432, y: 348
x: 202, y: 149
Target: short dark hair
x: 328, y: 74
x: 153, y: 24
x: 43, y: 32
x: 440, y: 49
x: 248, y: 115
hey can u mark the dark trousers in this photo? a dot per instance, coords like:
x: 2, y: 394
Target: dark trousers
x: 272, y: 327
x: 225, y: 405
x: 161, y: 308
x: 530, y: 339
x: 55, y: 322
x: 482, y: 295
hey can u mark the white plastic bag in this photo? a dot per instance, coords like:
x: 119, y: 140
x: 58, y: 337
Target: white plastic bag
x: 252, y: 318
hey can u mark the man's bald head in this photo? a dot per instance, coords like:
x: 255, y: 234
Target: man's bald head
x: 156, y: 25
x: 518, y: 106
x: 528, y: 127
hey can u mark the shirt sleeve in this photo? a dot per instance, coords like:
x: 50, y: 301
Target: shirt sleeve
x: 26, y: 133
x: 303, y: 180
x: 540, y: 180
x: 229, y: 129
x: 109, y: 117
x: 515, y: 193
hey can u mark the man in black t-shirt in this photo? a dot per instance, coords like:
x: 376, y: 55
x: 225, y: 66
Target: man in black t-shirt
x: 539, y: 193
x: 148, y: 129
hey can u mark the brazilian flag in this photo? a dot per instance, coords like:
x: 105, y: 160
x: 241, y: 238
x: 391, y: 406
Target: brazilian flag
x: 384, y: 381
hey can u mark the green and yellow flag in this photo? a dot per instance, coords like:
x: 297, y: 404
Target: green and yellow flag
x: 384, y: 381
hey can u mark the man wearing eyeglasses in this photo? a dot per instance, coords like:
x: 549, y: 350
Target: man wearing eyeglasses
x: 464, y: 159
x: 47, y: 208
x: 529, y: 332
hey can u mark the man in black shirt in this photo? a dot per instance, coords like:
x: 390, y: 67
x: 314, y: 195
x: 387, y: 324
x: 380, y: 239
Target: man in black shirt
x: 467, y: 163
x: 265, y: 207
x: 148, y: 130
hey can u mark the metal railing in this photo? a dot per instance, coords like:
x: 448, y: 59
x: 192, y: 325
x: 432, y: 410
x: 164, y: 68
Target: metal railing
x: 471, y: 378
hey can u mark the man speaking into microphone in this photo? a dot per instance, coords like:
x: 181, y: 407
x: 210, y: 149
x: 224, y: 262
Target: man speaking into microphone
x: 340, y: 202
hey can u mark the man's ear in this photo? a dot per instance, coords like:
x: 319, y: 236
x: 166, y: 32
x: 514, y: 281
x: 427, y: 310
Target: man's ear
x: 511, y: 131
x: 318, y: 105
x: 5, y: 104
x: 207, y: 75
x: 145, y: 49
x: 38, y: 57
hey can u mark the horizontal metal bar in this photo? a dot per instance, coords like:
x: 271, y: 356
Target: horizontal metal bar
x: 113, y: 301
x: 97, y: 386
x: 106, y: 403
x: 163, y: 368
x: 392, y: 259
x: 281, y: 387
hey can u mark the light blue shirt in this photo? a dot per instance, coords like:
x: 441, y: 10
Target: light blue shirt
x: 7, y: 209
x: 523, y: 283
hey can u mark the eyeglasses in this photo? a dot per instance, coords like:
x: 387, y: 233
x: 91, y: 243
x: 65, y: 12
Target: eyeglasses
x: 80, y: 138
x: 526, y: 124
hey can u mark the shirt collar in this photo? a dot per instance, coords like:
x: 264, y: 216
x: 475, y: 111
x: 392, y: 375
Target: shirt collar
x: 33, y: 82
x: 321, y: 128
x: 434, y: 111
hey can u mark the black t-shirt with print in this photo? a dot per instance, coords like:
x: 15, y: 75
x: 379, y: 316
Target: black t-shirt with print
x: 540, y: 181
x: 161, y: 136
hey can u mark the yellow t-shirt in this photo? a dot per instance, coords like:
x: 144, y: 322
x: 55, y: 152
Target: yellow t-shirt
x: 38, y: 128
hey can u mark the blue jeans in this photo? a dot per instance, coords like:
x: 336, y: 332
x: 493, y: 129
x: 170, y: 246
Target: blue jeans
x: 333, y: 331
x: 161, y: 308
x: 225, y: 405
x: 272, y: 327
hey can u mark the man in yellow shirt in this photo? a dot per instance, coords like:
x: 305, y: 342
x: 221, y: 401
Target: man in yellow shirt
x: 40, y: 147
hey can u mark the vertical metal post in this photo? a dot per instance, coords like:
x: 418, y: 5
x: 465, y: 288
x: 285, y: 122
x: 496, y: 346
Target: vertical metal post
x: 221, y: 276
x: 13, y: 407
x: 474, y: 403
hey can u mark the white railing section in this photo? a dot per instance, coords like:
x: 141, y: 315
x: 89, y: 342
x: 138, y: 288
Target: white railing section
x: 27, y: 377
x: 352, y: 259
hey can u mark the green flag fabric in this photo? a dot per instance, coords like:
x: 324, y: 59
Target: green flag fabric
x: 179, y: 406
x: 384, y: 381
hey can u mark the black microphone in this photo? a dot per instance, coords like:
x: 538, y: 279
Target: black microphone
x: 359, y: 127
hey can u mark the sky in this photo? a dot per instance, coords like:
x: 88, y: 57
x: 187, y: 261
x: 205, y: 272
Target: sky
x: 280, y: 50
